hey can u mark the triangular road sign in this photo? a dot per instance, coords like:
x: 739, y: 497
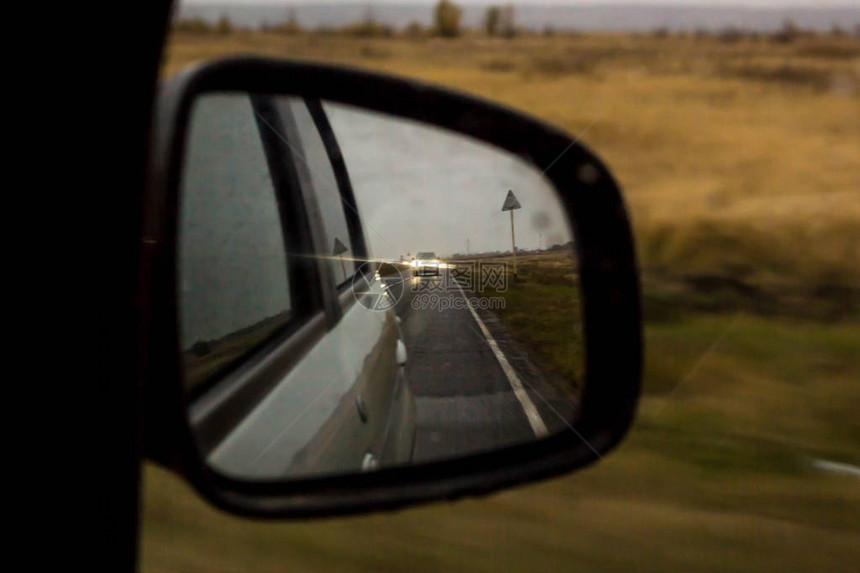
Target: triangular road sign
x: 339, y: 247
x: 511, y: 202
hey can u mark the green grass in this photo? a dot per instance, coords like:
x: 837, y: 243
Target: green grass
x: 746, y: 392
x: 547, y: 319
x: 714, y: 477
x: 542, y: 310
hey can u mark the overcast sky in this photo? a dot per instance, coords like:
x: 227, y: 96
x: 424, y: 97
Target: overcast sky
x: 420, y: 188
x: 750, y: 3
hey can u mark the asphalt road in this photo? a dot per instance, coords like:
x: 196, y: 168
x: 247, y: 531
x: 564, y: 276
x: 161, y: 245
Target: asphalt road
x: 466, y: 402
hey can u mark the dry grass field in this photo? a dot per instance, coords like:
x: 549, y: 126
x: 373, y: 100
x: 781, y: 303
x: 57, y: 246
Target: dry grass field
x: 736, y: 158
x: 740, y: 163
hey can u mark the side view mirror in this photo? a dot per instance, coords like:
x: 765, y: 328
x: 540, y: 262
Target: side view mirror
x: 362, y: 292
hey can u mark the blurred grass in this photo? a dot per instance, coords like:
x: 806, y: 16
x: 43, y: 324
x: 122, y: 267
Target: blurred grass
x: 740, y: 162
x: 715, y: 476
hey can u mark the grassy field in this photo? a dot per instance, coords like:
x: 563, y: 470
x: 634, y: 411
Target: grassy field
x: 740, y: 163
x: 747, y: 147
x: 543, y: 313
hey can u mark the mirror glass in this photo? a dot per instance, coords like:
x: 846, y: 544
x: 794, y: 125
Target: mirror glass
x: 359, y: 291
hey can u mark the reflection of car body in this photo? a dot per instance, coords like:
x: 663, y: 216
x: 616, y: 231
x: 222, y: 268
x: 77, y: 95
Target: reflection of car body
x: 343, y: 403
x: 426, y: 264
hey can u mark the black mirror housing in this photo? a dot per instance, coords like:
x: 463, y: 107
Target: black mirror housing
x: 609, y: 283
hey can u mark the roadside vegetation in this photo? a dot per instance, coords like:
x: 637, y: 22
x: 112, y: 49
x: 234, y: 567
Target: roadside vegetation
x: 542, y: 310
x: 739, y: 158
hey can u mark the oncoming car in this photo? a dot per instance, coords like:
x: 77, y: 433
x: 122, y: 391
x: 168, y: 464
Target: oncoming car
x: 426, y: 263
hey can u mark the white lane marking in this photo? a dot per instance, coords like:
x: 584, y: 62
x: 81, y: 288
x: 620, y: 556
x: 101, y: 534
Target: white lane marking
x: 836, y: 467
x: 535, y: 421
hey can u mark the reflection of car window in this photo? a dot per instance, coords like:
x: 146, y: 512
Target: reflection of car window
x: 313, y: 153
x: 233, y: 286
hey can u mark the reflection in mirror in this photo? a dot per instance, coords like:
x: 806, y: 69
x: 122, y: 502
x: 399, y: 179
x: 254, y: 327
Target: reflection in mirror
x: 233, y: 280
x: 360, y: 291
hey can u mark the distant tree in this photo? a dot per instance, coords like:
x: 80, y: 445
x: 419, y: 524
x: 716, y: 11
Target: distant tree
x: 414, y: 30
x: 730, y: 35
x: 292, y: 25
x: 447, y: 16
x: 492, y: 17
x: 369, y: 27
x: 837, y: 31
x: 507, y: 26
x: 788, y: 33
x: 192, y: 26
x: 548, y: 30
x: 224, y: 26
x: 661, y: 32
x: 369, y: 18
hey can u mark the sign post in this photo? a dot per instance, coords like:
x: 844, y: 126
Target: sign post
x: 511, y: 204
